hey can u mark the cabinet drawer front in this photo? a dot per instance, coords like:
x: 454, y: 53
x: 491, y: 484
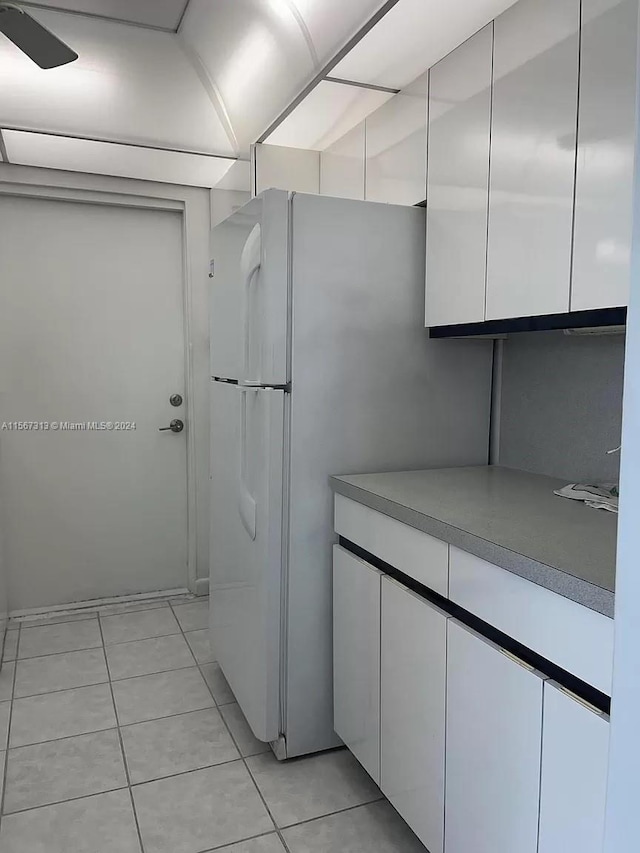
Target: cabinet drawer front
x: 413, y: 693
x: 356, y: 658
x: 569, y: 635
x: 421, y: 557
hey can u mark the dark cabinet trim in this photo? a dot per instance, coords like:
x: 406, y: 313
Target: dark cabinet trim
x: 545, y: 323
x: 546, y: 667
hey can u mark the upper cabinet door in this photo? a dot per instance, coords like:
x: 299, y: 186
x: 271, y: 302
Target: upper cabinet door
x: 396, y: 147
x: 575, y: 758
x: 533, y: 157
x: 606, y: 136
x: 457, y: 182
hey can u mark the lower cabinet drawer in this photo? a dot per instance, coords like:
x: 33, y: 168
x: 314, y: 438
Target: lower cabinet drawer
x: 416, y: 554
x: 571, y: 636
x: 356, y: 658
x: 413, y: 693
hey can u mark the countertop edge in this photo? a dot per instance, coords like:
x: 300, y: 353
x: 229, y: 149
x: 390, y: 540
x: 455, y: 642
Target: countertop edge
x: 571, y: 587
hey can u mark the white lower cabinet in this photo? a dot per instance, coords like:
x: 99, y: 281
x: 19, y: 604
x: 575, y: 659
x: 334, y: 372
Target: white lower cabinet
x: 476, y: 750
x: 356, y: 658
x: 575, y: 753
x: 494, y: 732
x: 413, y: 694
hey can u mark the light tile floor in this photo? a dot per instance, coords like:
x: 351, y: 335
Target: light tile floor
x: 120, y: 734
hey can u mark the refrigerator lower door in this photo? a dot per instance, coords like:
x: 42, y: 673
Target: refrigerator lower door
x: 247, y: 457
x: 249, y: 295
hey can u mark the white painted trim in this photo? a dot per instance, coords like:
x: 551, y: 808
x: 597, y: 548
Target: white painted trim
x: 97, y: 189
x: 33, y: 4
x: 94, y: 603
x: 202, y: 586
x: 622, y: 827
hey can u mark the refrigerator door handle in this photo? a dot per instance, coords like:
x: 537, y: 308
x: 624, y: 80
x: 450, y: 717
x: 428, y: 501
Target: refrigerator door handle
x: 246, y: 501
x: 250, y: 264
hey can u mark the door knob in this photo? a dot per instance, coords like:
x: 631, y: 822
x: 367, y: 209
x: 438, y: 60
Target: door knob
x: 176, y: 425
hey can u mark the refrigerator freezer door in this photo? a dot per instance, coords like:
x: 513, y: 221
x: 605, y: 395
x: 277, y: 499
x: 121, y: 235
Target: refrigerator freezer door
x: 247, y: 445
x: 249, y: 292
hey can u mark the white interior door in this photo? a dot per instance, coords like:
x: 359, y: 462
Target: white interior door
x: 91, y: 330
x: 247, y: 445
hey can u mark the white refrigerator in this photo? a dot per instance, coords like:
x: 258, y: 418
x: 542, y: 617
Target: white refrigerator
x: 320, y: 365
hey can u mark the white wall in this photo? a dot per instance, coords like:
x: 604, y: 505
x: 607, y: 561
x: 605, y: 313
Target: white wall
x: 283, y: 168
x: 384, y: 158
x: 226, y: 202
x: 623, y: 815
x: 197, y: 206
x: 4, y: 603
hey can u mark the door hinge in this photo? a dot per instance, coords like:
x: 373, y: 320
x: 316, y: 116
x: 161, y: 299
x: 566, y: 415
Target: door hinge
x: 212, y: 270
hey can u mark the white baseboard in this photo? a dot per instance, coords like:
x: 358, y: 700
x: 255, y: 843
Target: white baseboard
x: 101, y: 602
x: 202, y: 586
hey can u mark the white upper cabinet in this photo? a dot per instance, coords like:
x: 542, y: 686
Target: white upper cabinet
x: 494, y: 731
x: 606, y: 137
x: 356, y: 658
x: 396, y: 147
x: 533, y: 148
x: 575, y: 757
x: 457, y: 182
x: 413, y: 694
x: 342, y: 166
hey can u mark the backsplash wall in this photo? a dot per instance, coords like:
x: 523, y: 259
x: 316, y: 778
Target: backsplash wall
x: 562, y: 405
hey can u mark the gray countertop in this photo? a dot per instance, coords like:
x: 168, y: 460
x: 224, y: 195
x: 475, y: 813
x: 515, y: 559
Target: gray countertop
x: 510, y: 518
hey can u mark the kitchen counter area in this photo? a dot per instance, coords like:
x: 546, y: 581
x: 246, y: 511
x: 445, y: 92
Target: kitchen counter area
x: 507, y: 517
x: 473, y: 629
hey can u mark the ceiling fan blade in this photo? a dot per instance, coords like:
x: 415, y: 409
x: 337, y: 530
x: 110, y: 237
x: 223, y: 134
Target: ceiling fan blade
x: 32, y: 38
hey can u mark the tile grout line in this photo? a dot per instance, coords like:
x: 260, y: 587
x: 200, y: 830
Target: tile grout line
x: 193, y: 655
x: 113, y: 728
x: 53, y: 622
x: 96, y: 609
x: 109, y: 646
x: 381, y: 799
x: 236, y: 843
x: 237, y: 746
x: 121, y: 742
x: 55, y: 654
x: 5, y: 769
x: 278, y: 829
x: 68, y: 800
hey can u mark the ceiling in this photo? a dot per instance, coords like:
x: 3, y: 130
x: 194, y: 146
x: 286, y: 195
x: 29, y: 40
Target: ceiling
x: 211, y: 88
x: 391, y: 56
x: 207, y: 78
x: 158, y: 14
x: 413, y: 36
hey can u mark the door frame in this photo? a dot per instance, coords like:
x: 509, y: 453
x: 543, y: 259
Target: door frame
x: 52, y: 185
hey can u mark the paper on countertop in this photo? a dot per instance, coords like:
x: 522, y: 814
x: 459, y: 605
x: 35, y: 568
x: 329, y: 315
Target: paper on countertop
x: 604, y: 496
